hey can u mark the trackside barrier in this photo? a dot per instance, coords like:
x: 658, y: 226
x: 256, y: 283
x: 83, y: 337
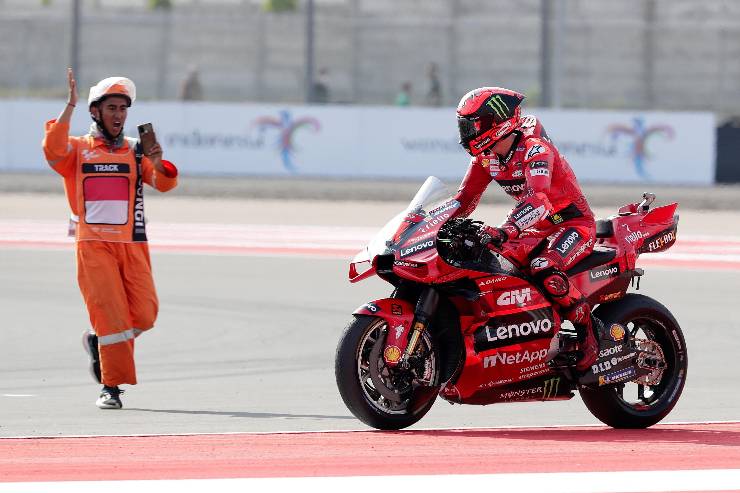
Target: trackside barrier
x: 356, y: 142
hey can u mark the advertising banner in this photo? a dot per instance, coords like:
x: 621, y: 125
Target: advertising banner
x: 633, y: 147
x: 357, y: 142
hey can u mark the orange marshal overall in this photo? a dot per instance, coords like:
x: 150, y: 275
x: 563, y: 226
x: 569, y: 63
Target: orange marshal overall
x: 104, y: 187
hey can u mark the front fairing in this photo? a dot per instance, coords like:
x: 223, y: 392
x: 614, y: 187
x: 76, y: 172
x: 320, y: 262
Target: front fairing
x: 407, y: 245
x: 409, y: 238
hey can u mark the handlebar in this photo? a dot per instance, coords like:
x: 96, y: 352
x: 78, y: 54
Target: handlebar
x: 459, y: 239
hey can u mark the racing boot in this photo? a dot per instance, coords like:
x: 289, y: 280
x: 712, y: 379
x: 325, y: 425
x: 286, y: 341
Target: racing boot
x: 588, y: 343
x: 90, y: 344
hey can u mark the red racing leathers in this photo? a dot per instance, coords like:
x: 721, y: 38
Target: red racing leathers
x: 550, y: 205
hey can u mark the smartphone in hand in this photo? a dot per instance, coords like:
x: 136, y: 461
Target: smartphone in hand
x: 147, y: 137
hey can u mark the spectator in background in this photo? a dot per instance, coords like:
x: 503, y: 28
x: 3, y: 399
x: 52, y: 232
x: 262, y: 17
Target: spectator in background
x: 191, y: 89
x: 404, y: 96
x: 321, y: 87
x: 434, y: 94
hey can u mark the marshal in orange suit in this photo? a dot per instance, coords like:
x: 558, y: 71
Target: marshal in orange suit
x: 104, y: 173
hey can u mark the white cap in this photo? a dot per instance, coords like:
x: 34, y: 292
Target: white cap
x: 111, y: 86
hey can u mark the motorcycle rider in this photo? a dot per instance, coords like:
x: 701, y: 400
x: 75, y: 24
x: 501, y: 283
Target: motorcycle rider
x: 515, y: 151
x: 103, y: 175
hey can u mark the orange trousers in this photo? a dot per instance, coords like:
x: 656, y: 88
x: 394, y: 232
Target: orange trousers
x: 117, y: 285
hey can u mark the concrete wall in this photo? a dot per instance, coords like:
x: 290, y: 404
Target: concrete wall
x: 647, y: 54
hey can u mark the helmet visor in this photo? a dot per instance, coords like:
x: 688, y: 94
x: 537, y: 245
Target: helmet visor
x: 471, y: 127
x: 468, y: 128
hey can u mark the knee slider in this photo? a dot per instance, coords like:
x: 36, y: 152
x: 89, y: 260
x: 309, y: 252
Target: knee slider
x: 554, y: 281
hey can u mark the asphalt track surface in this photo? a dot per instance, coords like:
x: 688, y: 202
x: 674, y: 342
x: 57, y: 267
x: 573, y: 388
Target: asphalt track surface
x: 253, y: 296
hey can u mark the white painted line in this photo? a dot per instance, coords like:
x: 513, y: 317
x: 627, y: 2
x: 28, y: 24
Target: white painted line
x: 19, y: 395
x: 566, y: 482
x: 371, y: 430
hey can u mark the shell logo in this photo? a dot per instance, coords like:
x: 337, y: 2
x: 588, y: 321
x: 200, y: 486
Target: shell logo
x: 617, y: 332
x: 392, y: 354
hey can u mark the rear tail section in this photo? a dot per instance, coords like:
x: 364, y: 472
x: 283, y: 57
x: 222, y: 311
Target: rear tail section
x: 606, y: 274
x: 664, y: 220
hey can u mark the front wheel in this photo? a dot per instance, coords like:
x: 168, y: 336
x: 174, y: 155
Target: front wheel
x: 646, y: 400
x: 382, y: 397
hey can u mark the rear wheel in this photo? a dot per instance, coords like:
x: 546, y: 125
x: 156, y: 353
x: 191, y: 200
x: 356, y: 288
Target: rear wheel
x: 379, y: 396
x: 644, y: 401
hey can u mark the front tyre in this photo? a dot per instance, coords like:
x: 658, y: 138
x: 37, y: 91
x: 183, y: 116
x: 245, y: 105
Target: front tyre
x: 642, y: 402
x: 382, y: 397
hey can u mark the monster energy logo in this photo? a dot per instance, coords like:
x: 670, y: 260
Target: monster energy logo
x: 497, y: 104
x: 550, y: 388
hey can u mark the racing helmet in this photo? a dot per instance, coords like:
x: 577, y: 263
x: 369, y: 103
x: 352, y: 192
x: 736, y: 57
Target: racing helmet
x: 112, y: 86
x: 487, y: 115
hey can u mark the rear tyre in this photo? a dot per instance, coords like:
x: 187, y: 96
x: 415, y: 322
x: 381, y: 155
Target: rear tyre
x: 382, y: 397
x: 642, y: 402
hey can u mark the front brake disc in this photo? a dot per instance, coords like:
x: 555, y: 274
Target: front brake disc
x: 374, y: 361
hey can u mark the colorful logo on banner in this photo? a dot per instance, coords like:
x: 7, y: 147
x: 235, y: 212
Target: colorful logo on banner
x: 287, y: 128
x: 641, y: 136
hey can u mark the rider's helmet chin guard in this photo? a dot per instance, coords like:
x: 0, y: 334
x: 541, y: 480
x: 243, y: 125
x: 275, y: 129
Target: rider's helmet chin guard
x: 487, y: 115
x: 112, y: 86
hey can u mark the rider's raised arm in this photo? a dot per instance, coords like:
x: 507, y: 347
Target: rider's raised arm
x: 473, y: 185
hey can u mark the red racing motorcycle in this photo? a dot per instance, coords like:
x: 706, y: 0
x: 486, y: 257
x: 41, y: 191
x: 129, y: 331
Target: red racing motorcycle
x: 467, y: 324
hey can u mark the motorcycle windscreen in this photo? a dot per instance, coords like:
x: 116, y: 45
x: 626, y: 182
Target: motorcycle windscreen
x: 432, y: 192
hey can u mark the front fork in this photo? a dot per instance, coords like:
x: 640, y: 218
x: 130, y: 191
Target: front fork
x: 426, y: 307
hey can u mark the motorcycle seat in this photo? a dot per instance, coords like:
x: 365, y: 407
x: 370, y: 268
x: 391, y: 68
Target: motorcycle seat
x: 600, y: 256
